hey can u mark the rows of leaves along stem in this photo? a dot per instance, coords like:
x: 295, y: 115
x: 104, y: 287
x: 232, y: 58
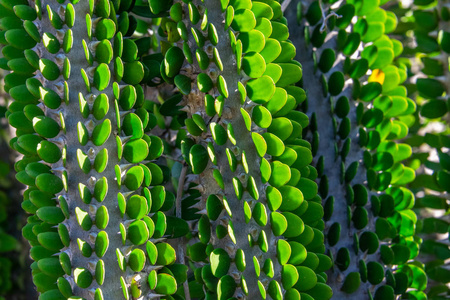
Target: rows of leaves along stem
x: 10, y: 242
x: 80, y: 119
x: 258, y: 231
x: 429, y: 23
x: 18, y: 43
x: 381, y: 231
x: 13, y: 254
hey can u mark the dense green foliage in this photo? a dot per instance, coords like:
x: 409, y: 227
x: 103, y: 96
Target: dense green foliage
x: 14, y: 275
x: 430, y: 135
x: 369, y: 222
x: 234, y: 149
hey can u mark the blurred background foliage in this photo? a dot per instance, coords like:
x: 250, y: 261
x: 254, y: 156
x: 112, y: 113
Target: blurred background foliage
x: 423, y: 27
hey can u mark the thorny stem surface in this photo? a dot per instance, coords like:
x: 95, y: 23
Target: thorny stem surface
x: 178, y: 215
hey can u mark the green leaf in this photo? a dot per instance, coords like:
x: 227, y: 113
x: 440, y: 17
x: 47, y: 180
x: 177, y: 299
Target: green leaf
x: 291, y: 74
x: 244, y: 20
x: 307, y: 279
x: 101, y: 243
x: 105, y: 29
x: 260, y: 90
x: 375, y: 272
x: 183, y: 83
x: 271, y: 50
x: 320, y: 291
x: 204, y: 82
x: 278, y: 223
x: 281, y: 174
x: 133, y: 72
x: 101, y: 77
x: 220, y: 262
x: 327, y: 59
x: 292, y: 198
x: 283, y: 251
x: 49, y: 183
x: 137, y: 206
x: 166, y: 284
x: 252, y: 41
x: 46, y: 127
x: 83, y: 278
x: 49, y: 69
x: 289, y: 276
x: 370, y: 91
x: 253, y: 65
x: 138, y: 232
x: 434, y: 109
x: 261, y: 116
x: 20, y: 39
x: 51, y: 215
x: 136, y: 260
x: 226, y: 287
x: 260, y: 144
x: 295, y: 225
x: 135, y: 151
x: 280, y: 31
x: 173, y: 61
x: 198, y: 158
x: 384, y: 292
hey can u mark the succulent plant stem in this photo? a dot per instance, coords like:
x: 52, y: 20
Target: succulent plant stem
x: 244, y: 143
x: 182, y: 240
x: 75, y: 175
